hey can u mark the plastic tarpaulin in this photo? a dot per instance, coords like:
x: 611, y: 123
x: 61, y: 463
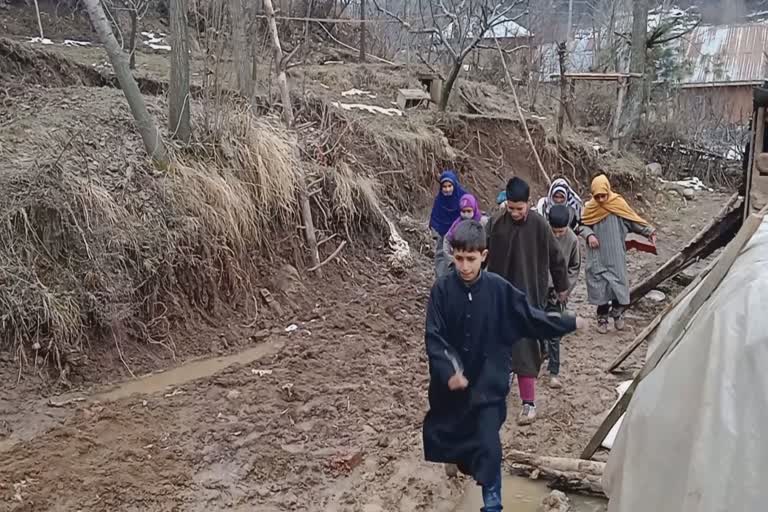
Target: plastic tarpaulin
x: 695, y: 436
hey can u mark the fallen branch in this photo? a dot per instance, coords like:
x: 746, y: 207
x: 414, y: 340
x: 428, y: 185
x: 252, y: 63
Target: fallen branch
x: 65, y: 403
x: 329, y: 258
x: 348, y: 47
x: 521, y: 114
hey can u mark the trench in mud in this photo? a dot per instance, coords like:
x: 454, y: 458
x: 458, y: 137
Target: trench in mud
x: 187, y: 372
x: 47, y: 416
x: 521, y: 494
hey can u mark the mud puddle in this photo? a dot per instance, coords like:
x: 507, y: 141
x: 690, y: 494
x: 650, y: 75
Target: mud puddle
x: 187, y: 372
x: 525, y: 495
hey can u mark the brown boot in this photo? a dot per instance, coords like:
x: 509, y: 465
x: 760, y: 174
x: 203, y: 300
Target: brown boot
x: 619, y: 323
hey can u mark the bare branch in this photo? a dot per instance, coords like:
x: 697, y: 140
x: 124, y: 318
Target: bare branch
x: 655, y: 38
x: 429, y: 66
x: 392, y: 15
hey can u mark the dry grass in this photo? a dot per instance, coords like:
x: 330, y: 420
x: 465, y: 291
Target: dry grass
x: 99, y: 256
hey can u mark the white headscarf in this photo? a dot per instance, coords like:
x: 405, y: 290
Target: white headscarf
x: 572, y: 199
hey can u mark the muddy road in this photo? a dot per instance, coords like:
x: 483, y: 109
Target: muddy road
x: 325, y: 416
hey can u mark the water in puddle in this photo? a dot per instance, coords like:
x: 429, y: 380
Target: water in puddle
x: 187, y: 372
x: 525, y: 495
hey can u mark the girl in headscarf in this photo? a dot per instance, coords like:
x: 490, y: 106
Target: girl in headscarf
x: 560, y: 192
x: 445, y: 211
x: 469, y: 209
x: 606, y: 221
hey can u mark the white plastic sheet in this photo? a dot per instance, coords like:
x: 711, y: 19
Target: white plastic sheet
x: 695, y: 436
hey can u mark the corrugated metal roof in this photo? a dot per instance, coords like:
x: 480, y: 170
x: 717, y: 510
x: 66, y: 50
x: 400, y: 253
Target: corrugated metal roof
x: 724, y: 54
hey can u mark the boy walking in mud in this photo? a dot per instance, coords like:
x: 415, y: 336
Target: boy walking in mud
x: 560, y: 220
x: 473, y: 320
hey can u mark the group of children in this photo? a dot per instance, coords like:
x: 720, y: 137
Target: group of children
x: 499, y: 305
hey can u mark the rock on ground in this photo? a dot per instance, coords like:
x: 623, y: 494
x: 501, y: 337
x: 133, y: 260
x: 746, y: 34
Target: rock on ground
x: 557, y: 501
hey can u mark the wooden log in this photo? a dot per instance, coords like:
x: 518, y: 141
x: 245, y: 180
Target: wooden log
x: 566, y: 481
x: 676, y: 332
x: 564, y: 464
x: 710, y: 238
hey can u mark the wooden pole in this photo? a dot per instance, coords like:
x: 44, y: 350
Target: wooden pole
x: 521, y: 115
x: 39, y: 22
x: 676, y: 331
x: 758, y: 131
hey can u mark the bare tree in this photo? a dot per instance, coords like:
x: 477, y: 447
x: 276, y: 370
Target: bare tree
x: 241, y: 50
x: 153, y: 141
x: 178, y: 93
x: 136, y: 10
x: 629, y: 120
x: 281, y: 62
x: 457, y: 27
x: 362, y: 30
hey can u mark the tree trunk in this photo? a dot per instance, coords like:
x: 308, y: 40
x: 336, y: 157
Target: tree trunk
x: 149, y: 131
x: 362, y: 30
x: 449, y: 83
x: 277, y: 50
x: 240, y: 49
x: 282, y: 82
x: 634, y: 103
x: 132, y: 42
x: 178, y: 92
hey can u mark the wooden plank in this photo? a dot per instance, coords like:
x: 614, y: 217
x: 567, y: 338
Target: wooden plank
x: 676, y: 332
x: 755, y: 148
x: 606, y: 77
x: 700, y: 246
x: 651, y: 327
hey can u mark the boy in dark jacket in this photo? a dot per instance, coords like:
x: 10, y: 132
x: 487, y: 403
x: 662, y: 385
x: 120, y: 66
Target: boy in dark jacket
x: 559, y: 219
x: 473, y: 320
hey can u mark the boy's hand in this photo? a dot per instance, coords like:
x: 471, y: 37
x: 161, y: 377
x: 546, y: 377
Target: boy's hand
x: 458, y: 382
x: 652, y: 238
x: 562, y: 297
x: 593, y: 242
x: 581, y: 323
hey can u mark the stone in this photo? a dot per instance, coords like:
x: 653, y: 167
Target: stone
x: 557, y: 501
x: 656, y: 296
x: 654, y: 169
x: 689, y: 194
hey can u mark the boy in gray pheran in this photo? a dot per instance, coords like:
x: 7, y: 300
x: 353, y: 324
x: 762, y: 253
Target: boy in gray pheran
x: 474, y: 318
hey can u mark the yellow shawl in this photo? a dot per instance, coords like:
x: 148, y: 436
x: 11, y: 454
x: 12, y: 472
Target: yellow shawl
x: 595, y: 212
